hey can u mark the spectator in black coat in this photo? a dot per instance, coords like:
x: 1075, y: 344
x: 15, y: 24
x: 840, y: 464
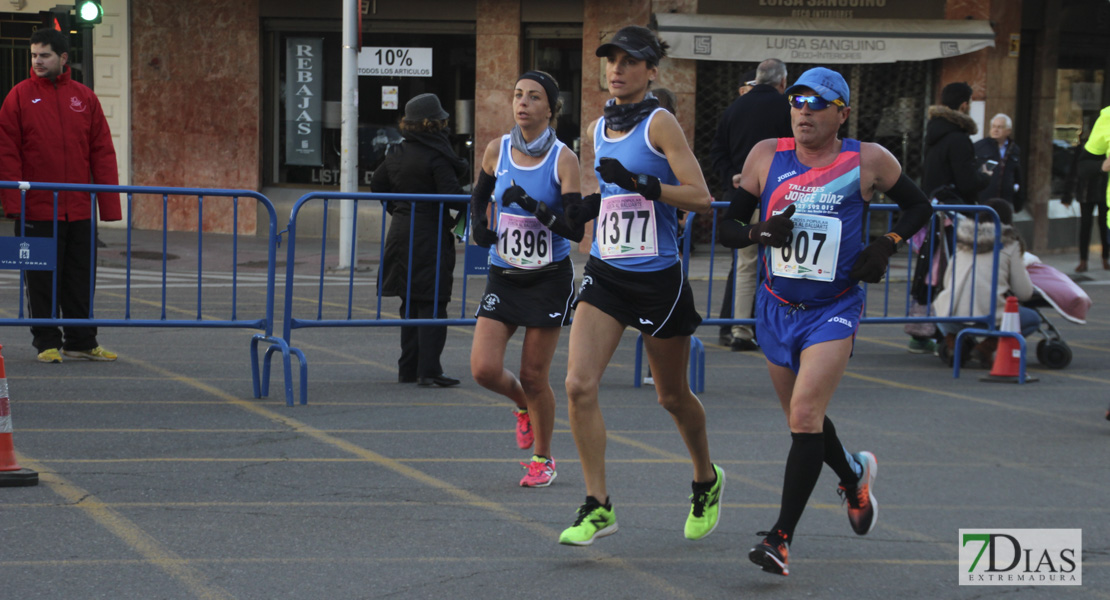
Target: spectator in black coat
x: 1006, y: 174
x: 424, y: 163
x: 951, y: 174
x: 759, y: 113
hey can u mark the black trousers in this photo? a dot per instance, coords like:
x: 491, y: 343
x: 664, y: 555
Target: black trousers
x: 75, y: 270
x: 422, y: 346
x: 1087, y: 212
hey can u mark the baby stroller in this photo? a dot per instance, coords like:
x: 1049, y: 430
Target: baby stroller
x: 1051, y: 289
x: 1057, y: 290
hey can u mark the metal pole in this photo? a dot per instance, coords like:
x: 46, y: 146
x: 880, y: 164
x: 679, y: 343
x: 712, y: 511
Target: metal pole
x: 348, y: 162
x: 87, y: 56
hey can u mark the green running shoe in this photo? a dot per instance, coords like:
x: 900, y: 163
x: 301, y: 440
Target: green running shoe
x: 705, y: 507
x: 594, y: 521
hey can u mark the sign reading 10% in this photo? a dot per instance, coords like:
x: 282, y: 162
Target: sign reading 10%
x: 374, y: 61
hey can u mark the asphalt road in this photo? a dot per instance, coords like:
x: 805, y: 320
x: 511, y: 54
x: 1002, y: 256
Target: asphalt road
x: 162, y: 477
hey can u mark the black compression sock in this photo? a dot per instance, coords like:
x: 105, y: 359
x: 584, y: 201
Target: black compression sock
x: 836, y: 456
x: 803, y: 467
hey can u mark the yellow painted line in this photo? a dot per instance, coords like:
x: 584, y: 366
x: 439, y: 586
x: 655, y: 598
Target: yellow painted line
x: 402, y: 469
x: 1000, y: 461
x: 1089, y: 347
x: 734, y: 559
x: 432, y: 560
x: 1077, y: 376
x: 169, y: 307
x: 146, y: 402
x: 993, y: 508
x: 130, y: 534
x: 993, y: 403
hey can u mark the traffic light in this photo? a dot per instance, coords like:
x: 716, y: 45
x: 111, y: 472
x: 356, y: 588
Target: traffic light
x: 55, y: 18
x: 89, y: 12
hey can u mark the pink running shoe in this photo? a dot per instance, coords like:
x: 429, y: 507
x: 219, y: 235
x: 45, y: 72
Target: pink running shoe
x: 541, y: 472
x: 524, y: 437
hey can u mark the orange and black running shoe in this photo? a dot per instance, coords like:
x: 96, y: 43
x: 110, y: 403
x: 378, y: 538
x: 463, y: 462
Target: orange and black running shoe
x: 772, y: 553
x: 863, y: 509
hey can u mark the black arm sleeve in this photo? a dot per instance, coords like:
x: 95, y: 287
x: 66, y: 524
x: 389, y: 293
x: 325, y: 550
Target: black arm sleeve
x: 734, y: 228
x: 916, y: 209
x: 479, y: 196
x: 563, y: 224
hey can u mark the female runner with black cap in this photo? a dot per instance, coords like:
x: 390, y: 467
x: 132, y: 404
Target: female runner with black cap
x: 531, y: 278
x: 634, y: 277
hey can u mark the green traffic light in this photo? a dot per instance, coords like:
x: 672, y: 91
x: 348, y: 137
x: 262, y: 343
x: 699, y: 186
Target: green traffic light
x: 89, y: 12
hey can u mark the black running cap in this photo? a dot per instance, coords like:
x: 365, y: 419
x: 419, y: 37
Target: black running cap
x: 638, y: 42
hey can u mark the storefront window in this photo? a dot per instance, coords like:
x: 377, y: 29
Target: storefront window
x: 1078, y: 102
x: 558, y: 51
x: 442, y: 64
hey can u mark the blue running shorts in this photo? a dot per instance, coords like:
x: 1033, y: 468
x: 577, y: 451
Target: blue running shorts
x: 786, y: 330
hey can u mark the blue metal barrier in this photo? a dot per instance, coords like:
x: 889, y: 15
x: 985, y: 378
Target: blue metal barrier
x: 126, y: 315
x: 891, y: 310
x: 985, y: 324
x: 697, y: 348
x: 291, y: 322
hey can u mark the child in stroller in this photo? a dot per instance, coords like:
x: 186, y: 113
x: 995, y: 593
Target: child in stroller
x: 967, y: 278
x: 966, y: 285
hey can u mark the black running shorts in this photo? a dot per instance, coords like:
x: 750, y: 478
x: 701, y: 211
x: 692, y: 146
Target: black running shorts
x: 658, y: 303
x: 529, y: 298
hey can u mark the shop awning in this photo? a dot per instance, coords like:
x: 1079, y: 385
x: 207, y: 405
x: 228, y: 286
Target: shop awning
x: 828, y: 41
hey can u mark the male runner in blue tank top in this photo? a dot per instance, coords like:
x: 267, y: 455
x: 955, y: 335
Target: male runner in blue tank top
x: 813, y: 191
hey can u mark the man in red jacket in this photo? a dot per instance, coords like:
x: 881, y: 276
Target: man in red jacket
x: 52, y: 129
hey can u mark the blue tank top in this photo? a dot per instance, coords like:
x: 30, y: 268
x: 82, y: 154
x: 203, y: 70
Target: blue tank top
x: 826, y: 199
x: 542, y: 183
x: 636, y: 153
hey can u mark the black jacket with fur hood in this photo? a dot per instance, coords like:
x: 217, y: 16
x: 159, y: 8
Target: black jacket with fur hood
x: 951, y: 172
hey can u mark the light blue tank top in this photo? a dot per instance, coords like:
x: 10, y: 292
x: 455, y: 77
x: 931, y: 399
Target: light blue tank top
x: 541, y: 182
x: 636, y: 153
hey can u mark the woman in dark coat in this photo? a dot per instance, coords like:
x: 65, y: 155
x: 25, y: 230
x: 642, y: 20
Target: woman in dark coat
x: 423, y: 163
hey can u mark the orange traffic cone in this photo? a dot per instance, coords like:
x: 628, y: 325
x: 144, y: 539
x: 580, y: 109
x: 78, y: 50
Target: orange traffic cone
x: 1007, y: 361
x: 11, y: 474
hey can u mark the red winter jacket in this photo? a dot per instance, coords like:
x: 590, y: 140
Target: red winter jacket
x: 55, y: 131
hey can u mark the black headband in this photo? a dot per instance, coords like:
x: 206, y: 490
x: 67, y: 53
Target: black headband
x: 549, y: 87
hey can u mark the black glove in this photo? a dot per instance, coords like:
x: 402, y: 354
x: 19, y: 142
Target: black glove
x: 873, y: 259
x: 612, y: 171
x: 480, y: 233
x: 774, y: 231
x: 517, y: 195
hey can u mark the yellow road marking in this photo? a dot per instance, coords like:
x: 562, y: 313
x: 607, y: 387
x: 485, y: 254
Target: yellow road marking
x: 131, y: 534
x: 400, y: 468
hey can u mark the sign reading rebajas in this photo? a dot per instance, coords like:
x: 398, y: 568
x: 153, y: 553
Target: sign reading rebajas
x: 304, y: 101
